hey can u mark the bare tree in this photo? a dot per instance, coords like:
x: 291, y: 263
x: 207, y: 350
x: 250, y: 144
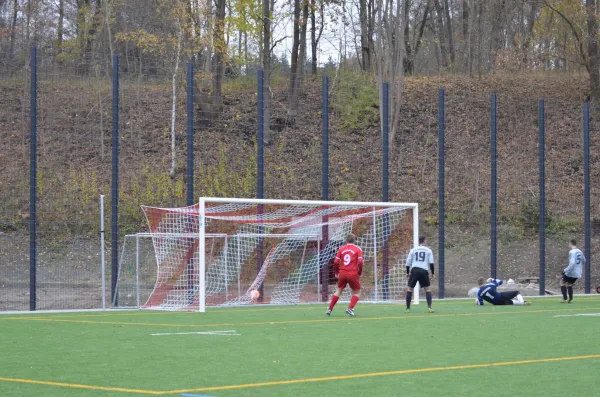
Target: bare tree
x: 174, y: 100
x: 390, y: 56
x: 411, y: 53
x: 496, y: 34
x: 292, y: 95
x: 13, y: 27
x: 591, y: 55
x: 450, y: 33
x: 466, y: 34
x: 220, y: 51
x: 314, y: 37
x: 298, y: 55
x: 364, y: 36
x: 440, y: 32
x: 266, y: 64
x: 593, y: 58
x: 61, y: 23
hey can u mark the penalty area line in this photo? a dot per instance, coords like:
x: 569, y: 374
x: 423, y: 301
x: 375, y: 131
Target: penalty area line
x: 193, y: 395
x: 388, y: 373
x: 579, y: 315
x: 189, y: 392
x: 221, y: 333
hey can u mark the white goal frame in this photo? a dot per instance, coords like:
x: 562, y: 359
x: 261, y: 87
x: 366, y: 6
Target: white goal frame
x: 203, y: 234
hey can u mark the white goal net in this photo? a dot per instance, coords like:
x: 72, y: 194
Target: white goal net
x: 217, y: 252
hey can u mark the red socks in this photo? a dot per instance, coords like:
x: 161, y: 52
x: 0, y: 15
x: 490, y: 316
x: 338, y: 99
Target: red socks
x: 353, y: 302
x: 334, y: 300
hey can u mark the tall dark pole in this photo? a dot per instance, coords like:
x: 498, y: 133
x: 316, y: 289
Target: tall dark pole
x: 260, y: 144
x: 260, y: 166
x: 542, y: 208
x: 493, y: 190
x: 33, y: 186
x: 325, y: 139
x: 385, y: 184
x: 115, y: 183
x: 586, y: 195
x: 325, y: 185
x: 190, y: 134
x: 441, y: 190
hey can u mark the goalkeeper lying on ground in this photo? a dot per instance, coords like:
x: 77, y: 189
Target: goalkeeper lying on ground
x: 487, y: 292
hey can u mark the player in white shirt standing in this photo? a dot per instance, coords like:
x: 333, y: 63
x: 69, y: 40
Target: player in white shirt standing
x: 571, y: 272
x: 418, y: 264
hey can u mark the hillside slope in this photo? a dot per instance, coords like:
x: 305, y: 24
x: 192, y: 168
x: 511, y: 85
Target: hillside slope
x: 75, y: 147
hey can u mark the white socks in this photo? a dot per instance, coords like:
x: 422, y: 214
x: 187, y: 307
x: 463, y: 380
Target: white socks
x: 518, y: 300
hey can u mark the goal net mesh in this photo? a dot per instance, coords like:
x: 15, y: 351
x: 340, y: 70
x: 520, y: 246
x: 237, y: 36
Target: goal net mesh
x: 285, y: 251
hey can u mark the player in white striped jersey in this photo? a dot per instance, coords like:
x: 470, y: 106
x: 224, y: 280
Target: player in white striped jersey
x: 571, y: 272
x: 418, y: 264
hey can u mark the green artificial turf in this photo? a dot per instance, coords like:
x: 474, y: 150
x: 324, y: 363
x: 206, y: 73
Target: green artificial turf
x: 116, y: 350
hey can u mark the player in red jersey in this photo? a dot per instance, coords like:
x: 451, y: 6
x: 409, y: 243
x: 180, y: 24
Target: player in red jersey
x: 348, y: 265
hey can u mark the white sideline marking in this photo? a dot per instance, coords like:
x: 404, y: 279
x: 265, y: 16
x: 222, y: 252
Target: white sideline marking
x: 580, y: 314
x: 222, y: 333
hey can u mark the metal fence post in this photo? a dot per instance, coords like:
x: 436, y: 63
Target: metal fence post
x: 260, y: 166
x: 115, y: 182
x: 102, y: 262
x: 33, y: 185
x: 542, y: 206
x: 325, y: 184
x: 586, y: 194
x: 441, y: 191
x: 385, y: 184
x: 190, y: 134
x: 494, y: 189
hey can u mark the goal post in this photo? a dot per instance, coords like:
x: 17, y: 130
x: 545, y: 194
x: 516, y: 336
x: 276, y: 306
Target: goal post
x: 378, y: 225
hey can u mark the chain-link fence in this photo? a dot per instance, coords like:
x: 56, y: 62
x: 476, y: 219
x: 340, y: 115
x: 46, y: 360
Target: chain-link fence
x: 75, y: 142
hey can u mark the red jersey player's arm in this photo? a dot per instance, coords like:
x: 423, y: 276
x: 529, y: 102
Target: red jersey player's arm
x: 360, y: 262
x: 336, y: 263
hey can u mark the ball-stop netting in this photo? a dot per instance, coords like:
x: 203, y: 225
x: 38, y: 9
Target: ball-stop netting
x: 285, y: 250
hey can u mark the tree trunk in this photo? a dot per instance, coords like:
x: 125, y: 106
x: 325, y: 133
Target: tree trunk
x: 208, y: 46
x: 465, y: 32
x: 364, y: 39
x: 302, y: 55
x: 408, y: 62
x: 479, y: 35
x: 298, y: 50
x: 220, y: 49
x: 28, y: 24
x: 13, y: 28
x: 593, y: 52
x: 440, y: 33
x: 266, y: 63
x: 411, y: 54
x: 60, y: 27
x: 496, y: 37
x: 174, y: 103
x: 246, y: 48
x: 529, y: 34
x: 292, y: 95
x: 370, y: 30
x: 314, y: 38
x: 450, y: 35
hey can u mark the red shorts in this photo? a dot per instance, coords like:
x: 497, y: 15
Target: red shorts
x: 352, y: 279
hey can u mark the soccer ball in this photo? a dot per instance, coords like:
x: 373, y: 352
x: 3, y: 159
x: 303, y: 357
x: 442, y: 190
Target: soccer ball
x: 254, y: 295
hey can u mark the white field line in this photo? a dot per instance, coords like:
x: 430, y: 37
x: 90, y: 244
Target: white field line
x: 580, y: 314
x: 222, y: 333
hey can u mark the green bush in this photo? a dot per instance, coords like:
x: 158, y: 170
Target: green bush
x: 356, y: 102
x: 529, y: 218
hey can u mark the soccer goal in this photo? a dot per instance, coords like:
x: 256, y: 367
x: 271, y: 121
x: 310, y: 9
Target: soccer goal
x: 217, y: 252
